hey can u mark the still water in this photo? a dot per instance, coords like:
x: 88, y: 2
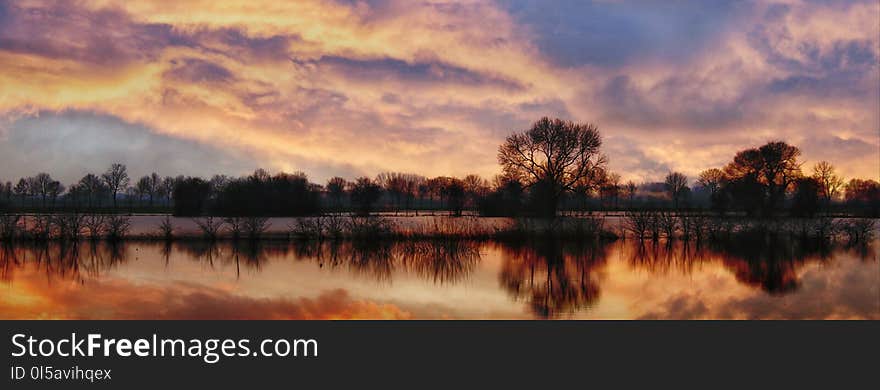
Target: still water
x: 437, y: 280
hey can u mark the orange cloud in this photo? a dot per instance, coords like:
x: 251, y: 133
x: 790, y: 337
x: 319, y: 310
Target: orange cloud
x: 433, y: 87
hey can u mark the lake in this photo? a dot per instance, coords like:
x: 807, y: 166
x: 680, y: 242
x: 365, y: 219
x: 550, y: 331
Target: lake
x: 624, y: 279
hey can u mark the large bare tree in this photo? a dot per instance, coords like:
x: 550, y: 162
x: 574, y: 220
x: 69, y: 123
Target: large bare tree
x: 553, y: 155
x: 676, y: 185
x: 116, y: 178
x: 830, y: 183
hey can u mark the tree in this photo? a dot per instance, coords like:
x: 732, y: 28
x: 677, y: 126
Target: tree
x: 364, y: 194
x: 92, y: 187
x: 116, y: 178
x: 556, y: 154
x: 144, y: 187
x: 190, y: 196
x: 336, y: 190
x: 167, y: 187
x: 676, y: 186
x: 505, y: 199
x: 22, y: 189
x: 7, y: 192
x: 829, y: 182
x: 762, y: 176
x: 610, y: 189
x: 475, y: 188
x: 805, y: 201
x: 41, y: 185
x: 55, y: 190
x: 864, y: 195
x: 713, y: 180
x: 456, y: 196
x: 155, y: 186
x: 629, y: 189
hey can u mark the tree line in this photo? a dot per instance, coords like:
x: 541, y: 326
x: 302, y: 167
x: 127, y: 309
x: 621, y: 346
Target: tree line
x: 554, y: 167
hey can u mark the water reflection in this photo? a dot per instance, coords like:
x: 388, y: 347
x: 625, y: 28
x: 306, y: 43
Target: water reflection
x: 554, y: 277
x: 545, y: 279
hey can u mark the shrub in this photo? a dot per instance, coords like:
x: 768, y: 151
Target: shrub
x: 117, y: 227
x: 858, y: 230
x: 69, y: 226
x: 360, y: 227
x: 94, y: 226
x: 166, y: 229
x: 254, y: 227
x: 638, y: 222
x: 209, y: 226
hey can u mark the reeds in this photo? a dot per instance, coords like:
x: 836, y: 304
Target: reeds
x: 638, y: 224
x: 656, y: 225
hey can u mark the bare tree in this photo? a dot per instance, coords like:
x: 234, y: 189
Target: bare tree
x: 711, y: 179
x: 555, y: 154
x: 22, y: 189
x: 336, y: 190
x: 92, y: 187
x: 143, y: 187
x: 610, y: 188
x: 116, y: 178
x: 475, y: 188
x: 676, y: 185
x: 630, y: 189
x: 55, y: 190
x: 830, y: 183
x: 364, y: 194
x: 41, y: 185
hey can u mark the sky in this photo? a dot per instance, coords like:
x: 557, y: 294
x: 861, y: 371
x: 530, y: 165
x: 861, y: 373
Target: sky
x: 352, y: 87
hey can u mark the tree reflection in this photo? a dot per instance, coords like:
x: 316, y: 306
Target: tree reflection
x: 771, y: 264
x: 555, y: 278
x: 439, y: 261
x: 442, y: 261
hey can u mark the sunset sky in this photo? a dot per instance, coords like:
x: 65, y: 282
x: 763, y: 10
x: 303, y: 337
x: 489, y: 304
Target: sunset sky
x: 359, y: 87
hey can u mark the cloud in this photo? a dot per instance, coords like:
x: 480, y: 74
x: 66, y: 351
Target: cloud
x: 180, y: 301
x: 359, y: 87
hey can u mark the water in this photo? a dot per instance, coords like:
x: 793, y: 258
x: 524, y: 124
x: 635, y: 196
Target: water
x: 470, y: 280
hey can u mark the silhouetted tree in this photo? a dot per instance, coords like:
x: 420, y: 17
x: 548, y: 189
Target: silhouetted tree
x: 55, y: 190
x: 22, y: 189
x: 761, y: 177
x: 676, y: 186
x: 714, y: 180
x: 93, y: 188
x: 556, y: 154
x: 863, y: 195
x: 364, y: 194
x: 505, y: 198
x: 190, y: 196
x: 629, y: 189
x: 830, y: 183
x: 7, y: 192
x: 475, y: 188
x: 149, y: 186
x: 116, y: 179
x: 455, y: 195
x: 400, y: 187
x: 263, y: 195
x: 610, y: 189
x: 805, y: 201
x: 143, y: 188
x: 336, y: 191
